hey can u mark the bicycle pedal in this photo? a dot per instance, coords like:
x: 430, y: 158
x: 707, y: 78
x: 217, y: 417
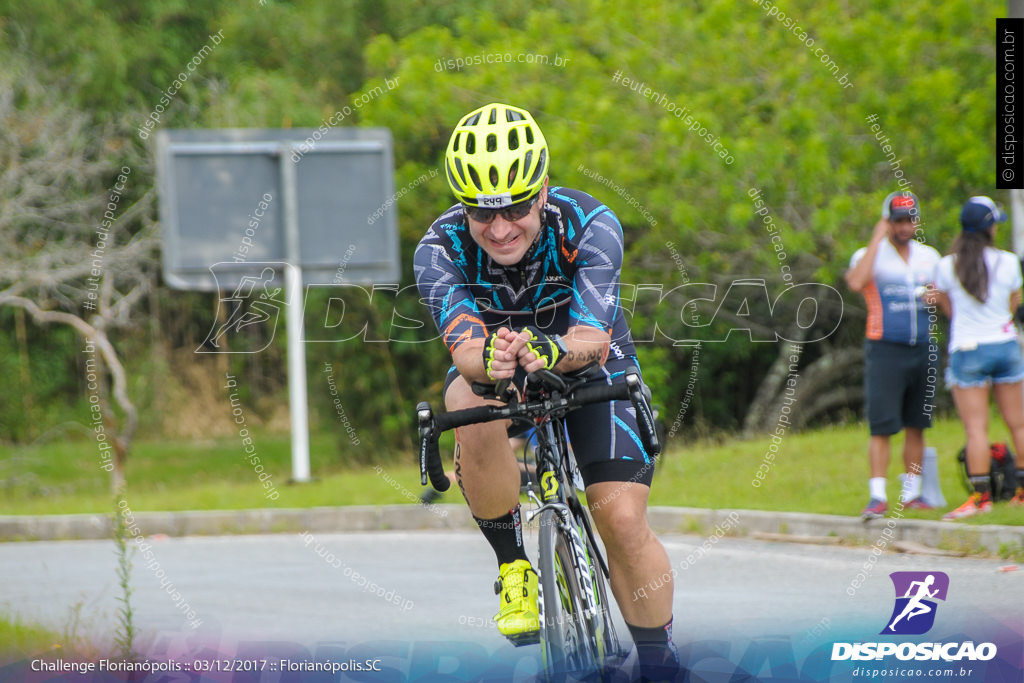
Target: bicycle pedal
x: 521, y: 639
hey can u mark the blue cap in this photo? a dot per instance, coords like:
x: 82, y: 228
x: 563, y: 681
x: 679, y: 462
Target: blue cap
x: 979, y: 214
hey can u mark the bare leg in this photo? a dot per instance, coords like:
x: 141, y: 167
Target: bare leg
x: 913, y: 450
x: 486, y: 468
x: 1010, y: 400
x: 878, y: 455
x: 972, y: 405
x: 636, y: 558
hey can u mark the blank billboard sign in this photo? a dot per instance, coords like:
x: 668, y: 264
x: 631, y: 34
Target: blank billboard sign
x: 299, y: 196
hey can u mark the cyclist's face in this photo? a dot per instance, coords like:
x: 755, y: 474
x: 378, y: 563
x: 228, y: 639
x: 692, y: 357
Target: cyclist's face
x: 507, y: 241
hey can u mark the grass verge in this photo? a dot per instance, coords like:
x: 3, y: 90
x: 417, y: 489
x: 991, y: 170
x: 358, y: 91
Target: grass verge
x: 819, y: 471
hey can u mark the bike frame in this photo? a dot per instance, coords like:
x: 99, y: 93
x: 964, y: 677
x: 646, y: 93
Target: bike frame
x: 547, y: 399
x: 558, y: 493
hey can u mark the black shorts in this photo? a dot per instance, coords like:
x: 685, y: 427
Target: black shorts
x: 604, y: 436
x: 899, y: 386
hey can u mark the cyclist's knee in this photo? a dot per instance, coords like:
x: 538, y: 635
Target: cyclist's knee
x: 623, y: 523
x: 459, y: 396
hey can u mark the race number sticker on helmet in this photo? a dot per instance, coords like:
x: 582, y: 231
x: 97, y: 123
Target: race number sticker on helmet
x: 494, y: 201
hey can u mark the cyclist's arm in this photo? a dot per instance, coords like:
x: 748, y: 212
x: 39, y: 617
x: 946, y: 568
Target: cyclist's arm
x: 860, y: 274
x: 584, y: 344
x: 595, y: 298
x: 469, y: 360
x: 451, y: 303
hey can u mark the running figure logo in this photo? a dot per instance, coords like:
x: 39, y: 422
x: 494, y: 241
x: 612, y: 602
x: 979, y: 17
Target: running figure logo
x: 916, y: 592
x: 253, y: 302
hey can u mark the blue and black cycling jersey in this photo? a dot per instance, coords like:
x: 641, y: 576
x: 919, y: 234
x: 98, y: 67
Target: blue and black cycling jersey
x: 570, y: 275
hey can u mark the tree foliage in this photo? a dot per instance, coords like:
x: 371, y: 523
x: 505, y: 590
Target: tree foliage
x: 616, y: 88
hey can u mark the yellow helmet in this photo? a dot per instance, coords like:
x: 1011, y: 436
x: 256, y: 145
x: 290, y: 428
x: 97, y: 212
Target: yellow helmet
x: 496, y: 157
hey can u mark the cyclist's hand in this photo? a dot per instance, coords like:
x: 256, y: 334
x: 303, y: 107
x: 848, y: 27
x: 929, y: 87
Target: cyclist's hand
x: 499, y: 361
x: 539, y: 350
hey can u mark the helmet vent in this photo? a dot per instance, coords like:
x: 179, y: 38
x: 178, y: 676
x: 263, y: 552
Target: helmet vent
x: 529, y: 135
x: 455, y: 144
x: 451, y: 178
x: 493, y: 118
x: 513, y: 139
x: 539, y: 171
x: 462, y: 173
x: 513, y: 116
x: 492, y: 143
x: 476, y: 179
x: 526, y: 162
x: 512, y: 172
x: 470, y: 143
x: 472, y: 120
x: 493, y: 176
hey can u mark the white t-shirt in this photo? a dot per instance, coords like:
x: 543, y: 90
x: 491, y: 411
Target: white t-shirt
x: 975, y: 322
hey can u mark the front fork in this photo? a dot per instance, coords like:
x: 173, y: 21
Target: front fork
x: 585, y: 563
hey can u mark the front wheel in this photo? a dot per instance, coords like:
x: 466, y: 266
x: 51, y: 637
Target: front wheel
x: 567, y: 643
x: 609, y: 649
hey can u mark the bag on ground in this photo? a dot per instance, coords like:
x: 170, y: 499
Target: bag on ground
x: 1003, y: 474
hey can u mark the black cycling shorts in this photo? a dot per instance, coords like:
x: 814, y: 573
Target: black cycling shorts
x: 899, y: 386
x: 604, y: 436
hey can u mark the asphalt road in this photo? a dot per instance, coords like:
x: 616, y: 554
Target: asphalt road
x: 375, y: 593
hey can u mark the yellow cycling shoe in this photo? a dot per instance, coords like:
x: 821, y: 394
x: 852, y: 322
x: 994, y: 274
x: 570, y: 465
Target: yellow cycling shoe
x: 518, y: 618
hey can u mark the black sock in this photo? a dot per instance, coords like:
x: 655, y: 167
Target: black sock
x: 982, y: 485
x: 659, y: 659
x: 505, y: 534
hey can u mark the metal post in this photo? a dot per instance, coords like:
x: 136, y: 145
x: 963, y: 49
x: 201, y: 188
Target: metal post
x: 298, y: 400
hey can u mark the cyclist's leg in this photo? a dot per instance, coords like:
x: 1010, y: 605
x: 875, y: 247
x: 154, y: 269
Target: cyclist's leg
x: 488, y: 476
x: 618, y: 474
x: 641, y: 575
x: 486, y: 470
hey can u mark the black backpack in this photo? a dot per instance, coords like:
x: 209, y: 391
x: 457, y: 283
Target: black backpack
x: 1003, y: 474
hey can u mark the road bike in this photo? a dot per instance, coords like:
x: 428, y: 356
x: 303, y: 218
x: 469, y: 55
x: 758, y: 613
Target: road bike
x: 577, y: 633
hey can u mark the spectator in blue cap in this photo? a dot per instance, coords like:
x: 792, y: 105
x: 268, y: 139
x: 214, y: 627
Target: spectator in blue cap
x: 979, y: 288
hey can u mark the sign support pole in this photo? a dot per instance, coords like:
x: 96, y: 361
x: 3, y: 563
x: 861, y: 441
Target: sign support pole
x: 298, y: 399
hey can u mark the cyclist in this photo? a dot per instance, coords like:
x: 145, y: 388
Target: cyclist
x: 521, y: 276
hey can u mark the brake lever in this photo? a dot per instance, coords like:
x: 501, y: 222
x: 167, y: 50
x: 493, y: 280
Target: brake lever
x: 430, y: 455
x: 640, y: 397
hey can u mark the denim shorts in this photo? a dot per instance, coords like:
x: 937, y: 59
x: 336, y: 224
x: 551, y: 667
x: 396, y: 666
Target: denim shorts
x: 1001, y: 363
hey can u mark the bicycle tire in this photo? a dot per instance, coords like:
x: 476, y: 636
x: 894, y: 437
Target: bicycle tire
x: 609, y: 648
x: 566, y: 632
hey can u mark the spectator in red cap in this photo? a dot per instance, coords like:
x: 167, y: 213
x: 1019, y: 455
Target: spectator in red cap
x: 894, y: 273
x: 979, y: 288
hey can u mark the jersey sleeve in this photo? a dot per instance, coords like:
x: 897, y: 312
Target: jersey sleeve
x: 595, y: 300
x: 1014, y: 263
x: 857, y: 256
x: 942, y: 277
x: 443, y: 288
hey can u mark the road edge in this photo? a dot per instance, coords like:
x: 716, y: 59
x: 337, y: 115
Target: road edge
x: 794, y: 526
